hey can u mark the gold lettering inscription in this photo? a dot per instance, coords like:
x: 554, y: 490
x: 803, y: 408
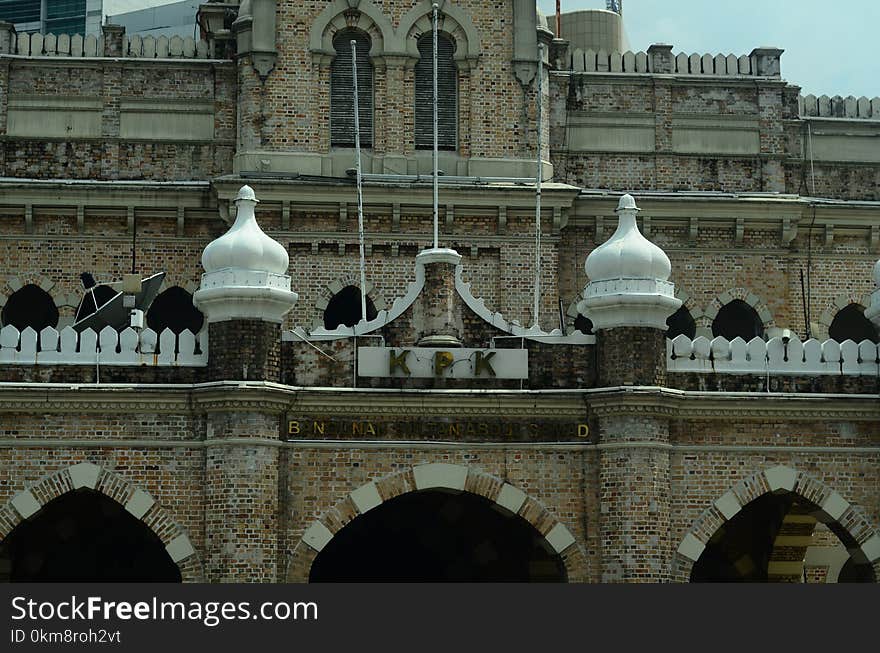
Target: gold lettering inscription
x: 483, y: 363
x: 396, y: 360
x: 583, y: 430
x: 442, y: 360
x: 293, y: 428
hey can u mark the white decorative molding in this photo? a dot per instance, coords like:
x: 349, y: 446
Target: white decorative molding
x: 179, y: 548
x: 84, y: 475
x: 775, y: 357
x: 109, y: 347
x: 440, y: 475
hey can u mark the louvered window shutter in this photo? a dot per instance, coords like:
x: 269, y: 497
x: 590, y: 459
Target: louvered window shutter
x: 342, y: 90
x: 447, y: 94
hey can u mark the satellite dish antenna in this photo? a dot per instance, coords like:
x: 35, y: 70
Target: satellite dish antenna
x: 96, y: 313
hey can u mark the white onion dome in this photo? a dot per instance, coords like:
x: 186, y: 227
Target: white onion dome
x: 627, y: 254
x: 245, y: 246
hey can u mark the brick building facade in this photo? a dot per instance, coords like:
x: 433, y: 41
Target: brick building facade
x: 278, y: 434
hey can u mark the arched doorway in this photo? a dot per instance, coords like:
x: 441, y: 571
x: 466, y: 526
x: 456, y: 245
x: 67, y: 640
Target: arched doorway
x: 438, y: 536
x: 85, y: 536
x: 768, y: 541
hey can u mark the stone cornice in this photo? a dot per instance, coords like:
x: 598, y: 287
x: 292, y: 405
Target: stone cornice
x: 232, y: 396
x: 441, y: 404
x: 87, y: 398
x: 744, y: 406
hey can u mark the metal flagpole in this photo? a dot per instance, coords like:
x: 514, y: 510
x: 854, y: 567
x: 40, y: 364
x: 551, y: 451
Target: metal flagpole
x: 436, y: 9
x: 539, y: 80
x: 360, y: 189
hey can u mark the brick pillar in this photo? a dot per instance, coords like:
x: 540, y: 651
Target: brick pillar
x: 661, y: 59
x: 241, y: 495
x: 437, y: 312
x: 7, y: 38
x: 114, y: 40
x: 244, y: 350
x: 631, y: 356
x: 634, y: 487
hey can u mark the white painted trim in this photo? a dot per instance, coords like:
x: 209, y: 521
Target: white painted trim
x: 84, y: 475
x: 835, y: 505
x: 560, y: 538
x: 139, y: 503
x: 26, y: 504
x: 780, y: 478
x: 440, y: 475
x: 511, y: 498
x: 691, y: 548
x: 180, y: 548
x: 366, y: 497
x: 317, y: 536
x: 728, y: 505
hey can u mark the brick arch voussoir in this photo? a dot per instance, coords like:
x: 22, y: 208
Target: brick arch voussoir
x: 430, y: 476
x: 140, y: 504
x: 834, y: 307
x: 832, y: 508
x: 745, y: 295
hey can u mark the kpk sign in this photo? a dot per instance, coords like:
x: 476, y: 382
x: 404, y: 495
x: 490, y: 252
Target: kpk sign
x: 426, y: 362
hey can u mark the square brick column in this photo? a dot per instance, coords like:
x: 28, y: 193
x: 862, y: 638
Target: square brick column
x: 634, y: 491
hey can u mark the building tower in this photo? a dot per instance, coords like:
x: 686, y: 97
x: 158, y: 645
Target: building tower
x: 629, y: 298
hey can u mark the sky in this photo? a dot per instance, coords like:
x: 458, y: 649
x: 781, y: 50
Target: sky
x: 830, y: 47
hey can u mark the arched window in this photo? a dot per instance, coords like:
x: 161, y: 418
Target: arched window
x: 447, y: 94
x: 342, y: 90
x: 344, y: 309
x: 681, y: 323
x: 173, y: 309
x: 30, y: 306
x: 84, y: 536
x: 850, y: 323
x: 737, y: 319
x: 584, y: 324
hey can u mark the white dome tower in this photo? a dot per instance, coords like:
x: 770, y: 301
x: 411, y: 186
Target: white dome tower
x: 245, y: 271
x: 629, y: 278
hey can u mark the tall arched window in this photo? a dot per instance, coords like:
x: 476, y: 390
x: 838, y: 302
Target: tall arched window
x: 447, y: 94
x: 737, y: 319
x: 30, y: 306
x: 850, y: 323
x: 342, y: 90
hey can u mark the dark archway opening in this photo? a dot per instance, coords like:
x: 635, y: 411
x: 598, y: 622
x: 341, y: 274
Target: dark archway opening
x: 584, y: 324
x: 738, y: 320
x: 850, y: 323
x: 174, y: 309
x: 681, y: 323
x: 84, y: 536
x: 438, y: 536
x: 30, y: 306
x: 760, y: 543
x: 344, y: 309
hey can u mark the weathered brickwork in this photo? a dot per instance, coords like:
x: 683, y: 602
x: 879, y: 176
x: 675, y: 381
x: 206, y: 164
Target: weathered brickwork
x: 247, y: 479
x: 631, y: 356
x: 253, y: 350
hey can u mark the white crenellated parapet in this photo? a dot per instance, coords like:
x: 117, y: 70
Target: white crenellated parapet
x: 109, y: 347
x: 777, y: 357
x: 861, y: 108
x: 136, y: 47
